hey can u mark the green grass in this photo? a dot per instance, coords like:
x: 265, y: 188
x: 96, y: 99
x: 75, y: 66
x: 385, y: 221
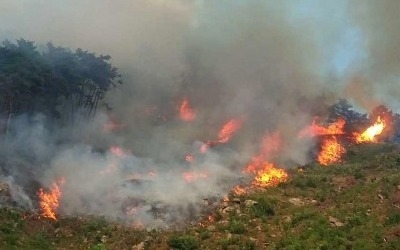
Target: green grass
x: 358, y: 192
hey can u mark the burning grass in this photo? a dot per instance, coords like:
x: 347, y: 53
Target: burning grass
x: 336, y: 207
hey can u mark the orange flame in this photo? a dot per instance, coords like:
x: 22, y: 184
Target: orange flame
x: 118, y: 151
x: 186, y: 113
x: 189, y: 158
x: 228, y: 130
x: 369, y: 135
x: 191, y: 176
x: 267, y: 174
x: 238, y: 190
x: 49, y: 201
x: 270, y: 176
x: 331, y: 151
x: 336, y: 128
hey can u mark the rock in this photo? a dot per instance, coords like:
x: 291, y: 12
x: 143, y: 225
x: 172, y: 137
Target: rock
x: 253, y: 239
x: 228, y: 236
x: 296, y: 201
x: 398, y: 187
x: 335, y: 222
x: 139, y: 246
x: 249, y: 203
x: 258, y: 228
x: 381, y: 196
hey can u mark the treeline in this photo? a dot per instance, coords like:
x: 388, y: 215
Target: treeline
x: 54, y: 81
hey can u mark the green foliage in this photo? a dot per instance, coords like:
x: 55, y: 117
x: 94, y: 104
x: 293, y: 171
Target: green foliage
x: 40, y: 241
x: 393, y: 218
x: 33, y: 81
x: 99, y: 246
x: 184, y: 242
x: 262, y: 209
x: 236, y: 227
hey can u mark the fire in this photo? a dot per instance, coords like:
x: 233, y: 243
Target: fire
x: 369, y: 135
x: 191, y: 176
x: 190, y: 158
x: 186, y: 113
x: 238, y: 190
x: 331, y: 151
x: 228, y: 130
x: 49, y: 201
x: 268, y: 175
x: 336, y: 128
x: 118, y: 151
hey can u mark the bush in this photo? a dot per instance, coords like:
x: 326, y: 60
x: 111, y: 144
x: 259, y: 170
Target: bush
x: 185, y: 242
x: 236, y: 227
x: 262, y: 209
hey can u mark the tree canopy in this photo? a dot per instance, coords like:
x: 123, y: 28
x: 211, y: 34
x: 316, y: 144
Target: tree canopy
x: 54, y: 81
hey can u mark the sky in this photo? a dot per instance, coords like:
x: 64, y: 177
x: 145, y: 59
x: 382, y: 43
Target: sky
x: 345, y: 36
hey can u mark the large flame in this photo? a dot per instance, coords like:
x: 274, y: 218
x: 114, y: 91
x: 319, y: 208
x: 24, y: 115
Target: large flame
x: 331, y: 151
x: 50, y: 201
x: 228, y: 130
x: 336, y: 128
x: 369, y: 135
x: 186, y: 113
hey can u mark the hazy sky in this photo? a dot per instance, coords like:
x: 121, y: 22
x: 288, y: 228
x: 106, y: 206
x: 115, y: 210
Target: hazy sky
x: 347, y: 35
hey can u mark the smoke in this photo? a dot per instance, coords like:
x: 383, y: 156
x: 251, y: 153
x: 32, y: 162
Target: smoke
x: 247, y: 61
x: 379, y: 24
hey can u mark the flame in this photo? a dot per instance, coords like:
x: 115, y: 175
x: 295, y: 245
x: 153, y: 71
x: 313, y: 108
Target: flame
x: 369, y: 135
x: 238, y: 190
x: 186, y: 113
x: 270, y: 176
x: 336, y: 128
x: 118, y: 151
x: 331, y: 151
x: 228, y: 130
x: 189, y: 158
x: 191, y: 176
x: 267, y: 174
x: 49, y: 201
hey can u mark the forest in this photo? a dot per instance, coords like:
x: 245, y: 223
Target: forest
x: 54, y: 81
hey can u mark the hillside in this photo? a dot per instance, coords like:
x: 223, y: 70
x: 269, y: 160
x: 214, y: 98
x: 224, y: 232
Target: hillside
x: 352, y: 205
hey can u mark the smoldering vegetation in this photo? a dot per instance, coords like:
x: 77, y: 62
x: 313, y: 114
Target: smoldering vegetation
x: 245, y: 61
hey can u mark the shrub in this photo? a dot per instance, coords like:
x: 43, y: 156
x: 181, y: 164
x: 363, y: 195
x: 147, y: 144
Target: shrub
x: 184, y: 242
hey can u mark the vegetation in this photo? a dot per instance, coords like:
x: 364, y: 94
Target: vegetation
x: 352, y: 205
x: 53, y: 81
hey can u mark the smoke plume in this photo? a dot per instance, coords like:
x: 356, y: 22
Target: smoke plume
x: 231, y: 60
